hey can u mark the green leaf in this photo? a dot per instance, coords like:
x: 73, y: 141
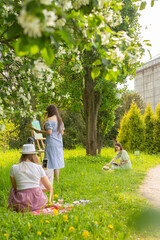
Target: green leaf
x: 13, y: 31
x: 152, y: 3
x: 34, y: 49
x: 47, y: 55
x: 97, y: 62
x: 107, y: 77
x: 95, y: 72
x: 143, y: 5
x: 18, y: 48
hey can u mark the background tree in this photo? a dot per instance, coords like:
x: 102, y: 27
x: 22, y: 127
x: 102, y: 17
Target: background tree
x: 156, y: 132
x: 123, y: 132
x: 92, y: 35
x: 125, y: 101
x: 8, y: 132
x: 148, y: 143
x: 135, y: 129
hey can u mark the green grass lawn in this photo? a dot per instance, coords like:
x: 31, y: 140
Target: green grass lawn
x: 115, y: 200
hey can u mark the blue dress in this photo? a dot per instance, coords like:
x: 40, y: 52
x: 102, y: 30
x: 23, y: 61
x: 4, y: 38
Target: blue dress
x: 54, y: 146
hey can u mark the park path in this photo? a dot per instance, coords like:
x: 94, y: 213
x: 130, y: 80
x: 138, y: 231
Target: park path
x: 150, y: 188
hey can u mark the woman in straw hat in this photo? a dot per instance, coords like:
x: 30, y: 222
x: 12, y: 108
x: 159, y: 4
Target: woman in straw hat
x: 26, y: 194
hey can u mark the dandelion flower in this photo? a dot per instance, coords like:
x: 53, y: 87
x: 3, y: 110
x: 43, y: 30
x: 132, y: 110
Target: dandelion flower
x: 96, y: 222
x: 55, y: 195
x: 71, y: 229
x: 29, y: 226
x: 55, y: 211
x: 5, y: 235
x: 110, y: 226
x: 116, y: 187
x: 46, y: 221
x: 82, y: 173
x: 65, y: 218
x: 85, y: 234
x: 39, y: 233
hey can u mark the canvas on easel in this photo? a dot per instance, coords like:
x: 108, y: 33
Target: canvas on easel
x: 38, y: 137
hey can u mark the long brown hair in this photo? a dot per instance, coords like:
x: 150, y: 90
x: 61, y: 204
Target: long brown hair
x: 51, y: 111
x: 31, y: 157
x: 119, y: 145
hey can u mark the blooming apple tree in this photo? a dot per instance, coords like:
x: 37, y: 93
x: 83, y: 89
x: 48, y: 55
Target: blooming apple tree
x: 66, y: 52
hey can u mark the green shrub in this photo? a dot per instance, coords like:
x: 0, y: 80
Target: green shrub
x: 9, y: 131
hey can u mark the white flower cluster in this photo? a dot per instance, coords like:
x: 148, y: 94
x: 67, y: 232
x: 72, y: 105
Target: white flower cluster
x: 31, y: 24
x: 78, y: 3
x: 46, y: 2
x: 50, y: 18
x: 64, y: 5
x: 61, y: 52
x: 77, y: 68
x: 40, y: 68
x: 105, y: 37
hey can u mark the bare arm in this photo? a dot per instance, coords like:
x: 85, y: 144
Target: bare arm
x: 113, y: 160
x: 47, y: 132
x: 46, y: 183
x: 13, y: 183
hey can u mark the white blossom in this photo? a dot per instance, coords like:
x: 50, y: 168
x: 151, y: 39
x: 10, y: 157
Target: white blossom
x: 105, y: 37
x: 115, y: 69
x: 53, y: 94
x: 2, y: 127
x: 1, y: 110
x: 31, y: 24
x: 78, y: 3
x: 46, y: 2
x: 50, y: 18
x: 52, y: 86
x: 21, y: 90
x: 61, y: 22
x: 119, y: 54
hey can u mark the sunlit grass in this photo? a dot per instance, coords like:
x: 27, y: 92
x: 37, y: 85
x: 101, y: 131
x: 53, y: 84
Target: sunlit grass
x: 114, y: 200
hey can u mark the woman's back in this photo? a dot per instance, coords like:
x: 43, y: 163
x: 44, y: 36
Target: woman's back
x: 27, y: 175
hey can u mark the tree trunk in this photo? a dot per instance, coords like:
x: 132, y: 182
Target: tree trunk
x: 91, y: 100
x: 100, y: 139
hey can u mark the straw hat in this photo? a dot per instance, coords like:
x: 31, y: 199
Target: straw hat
x: 28, y: 149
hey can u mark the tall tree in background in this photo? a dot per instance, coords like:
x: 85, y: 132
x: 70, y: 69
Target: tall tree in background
x: 148, y: 143
x: 96, y: 46
x: 135, y: 130
x: 126, y: 99
x: 156, y: 133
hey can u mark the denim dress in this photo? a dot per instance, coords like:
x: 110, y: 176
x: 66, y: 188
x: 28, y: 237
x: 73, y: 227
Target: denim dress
x: 54, y: 146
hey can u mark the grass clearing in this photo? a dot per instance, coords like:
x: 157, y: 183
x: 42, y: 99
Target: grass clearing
x: 111, y: 214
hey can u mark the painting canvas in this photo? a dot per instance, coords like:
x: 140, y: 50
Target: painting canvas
x: 36, y: 124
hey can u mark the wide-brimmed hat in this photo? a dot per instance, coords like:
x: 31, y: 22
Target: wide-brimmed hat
x: 28, y: 149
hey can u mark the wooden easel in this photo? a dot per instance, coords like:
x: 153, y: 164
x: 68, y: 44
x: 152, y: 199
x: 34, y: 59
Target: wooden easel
x: 38, y: 137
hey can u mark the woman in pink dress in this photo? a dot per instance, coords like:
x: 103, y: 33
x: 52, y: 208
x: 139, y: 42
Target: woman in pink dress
x: 26, y: 176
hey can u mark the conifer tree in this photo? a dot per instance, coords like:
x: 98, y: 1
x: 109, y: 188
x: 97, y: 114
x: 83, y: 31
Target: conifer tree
x: 133, y: 130
x: 156, y: 133
x: 148, y: 145
x: 123, y: 132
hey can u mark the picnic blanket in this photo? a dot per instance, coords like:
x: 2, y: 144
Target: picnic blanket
x: 61, y: 208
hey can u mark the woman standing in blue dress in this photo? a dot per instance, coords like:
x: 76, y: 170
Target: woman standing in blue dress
x: 54, y: 129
